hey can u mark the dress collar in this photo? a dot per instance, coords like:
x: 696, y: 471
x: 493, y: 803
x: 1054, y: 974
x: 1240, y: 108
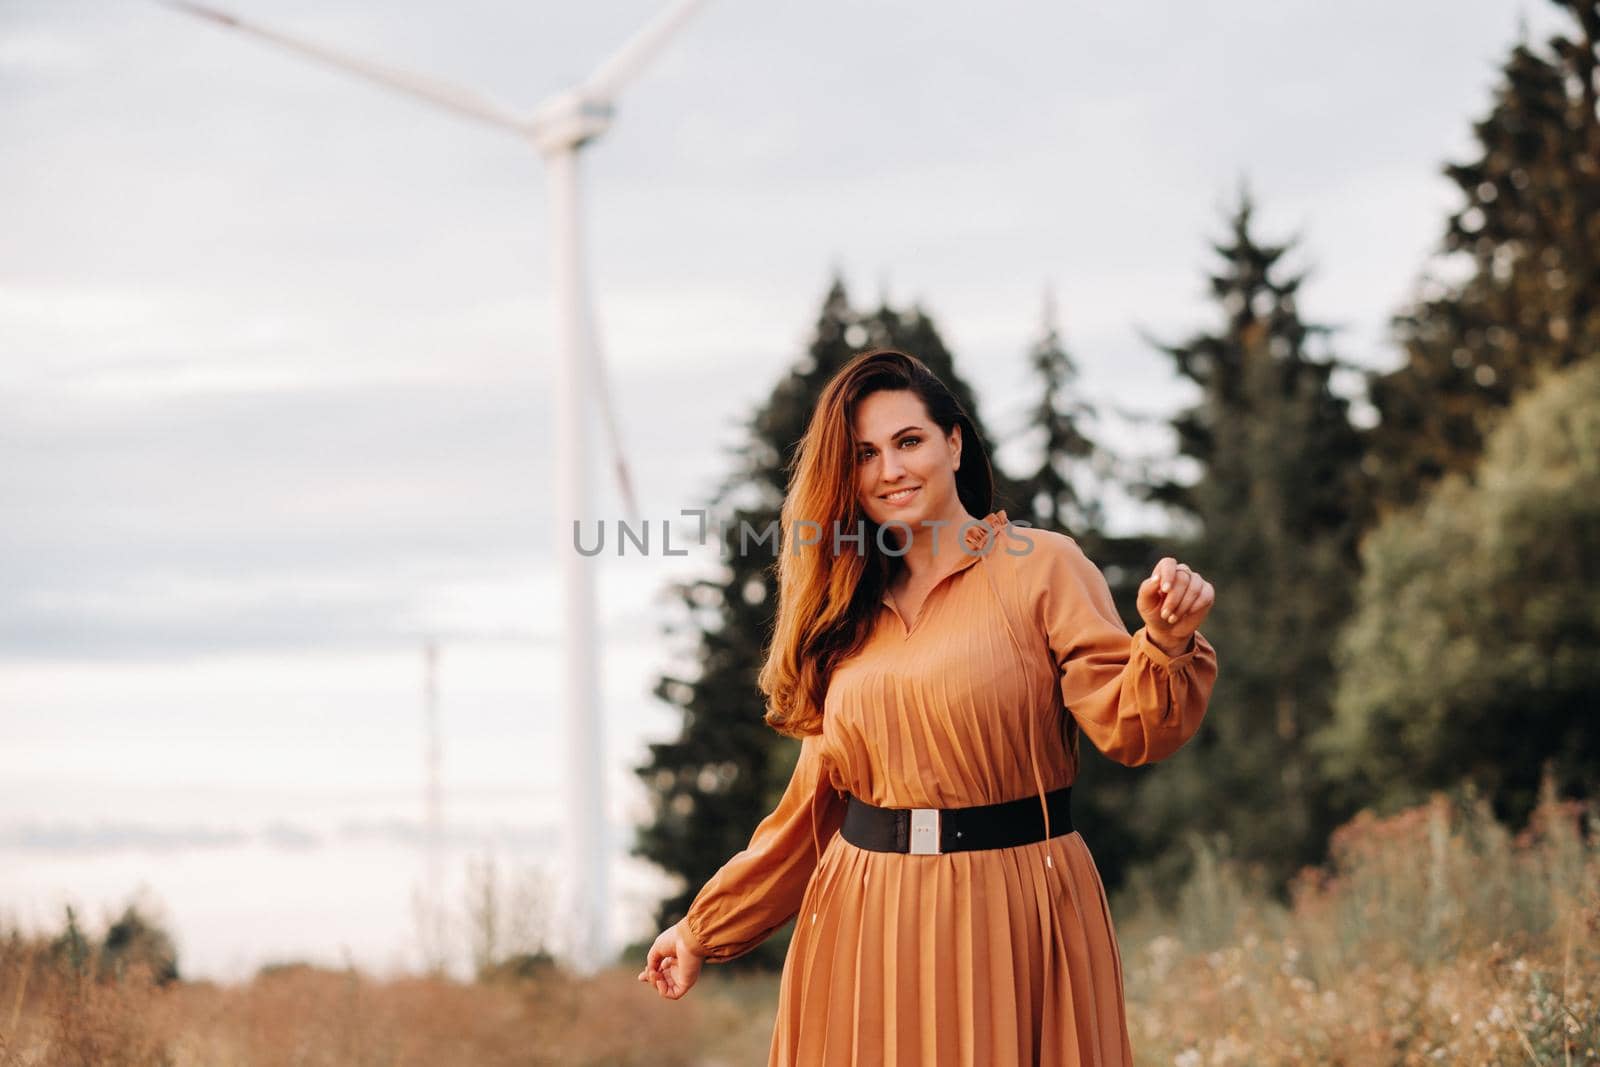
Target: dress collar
x: 977, y: 537
x: 977, y: 541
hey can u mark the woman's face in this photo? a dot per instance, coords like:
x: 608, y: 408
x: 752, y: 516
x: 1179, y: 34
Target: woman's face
x: 900, y: 448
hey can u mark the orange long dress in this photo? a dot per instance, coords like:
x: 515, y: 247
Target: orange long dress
x: 999, y: 956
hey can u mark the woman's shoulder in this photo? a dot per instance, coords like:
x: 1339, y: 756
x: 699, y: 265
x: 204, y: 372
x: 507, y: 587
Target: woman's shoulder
x: 1049, y: 573
x: 1030, y: 552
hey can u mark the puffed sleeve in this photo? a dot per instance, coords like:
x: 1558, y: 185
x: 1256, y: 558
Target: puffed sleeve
x: 761, y: 887
x: 1136, y: 704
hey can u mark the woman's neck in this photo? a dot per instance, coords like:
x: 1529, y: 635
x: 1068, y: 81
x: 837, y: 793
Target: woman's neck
x: 935, y: 550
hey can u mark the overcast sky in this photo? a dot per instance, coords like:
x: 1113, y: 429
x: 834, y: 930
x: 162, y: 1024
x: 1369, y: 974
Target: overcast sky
x: 276, y: 349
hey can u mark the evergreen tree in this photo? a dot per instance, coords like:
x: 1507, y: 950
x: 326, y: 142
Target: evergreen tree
x: 1053, y: 497
x: 1278, y: 504
x: 1528, y: 232
x: 138, y: 940
x: 1067, y: 488
x: 727, y: 769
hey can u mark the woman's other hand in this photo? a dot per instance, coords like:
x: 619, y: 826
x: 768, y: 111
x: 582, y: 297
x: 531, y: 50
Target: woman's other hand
x: 1173, y: 602
x: 674, y: 963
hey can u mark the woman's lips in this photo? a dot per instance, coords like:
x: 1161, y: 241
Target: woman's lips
x: 901, y: 501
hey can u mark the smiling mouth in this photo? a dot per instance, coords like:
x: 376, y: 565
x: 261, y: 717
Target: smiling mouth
x: 900, y: 494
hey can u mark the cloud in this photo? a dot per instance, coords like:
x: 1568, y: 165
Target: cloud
x: 42, y: 53
x: 456, y: 835
x: 100, y: 837
x: 106, y: 836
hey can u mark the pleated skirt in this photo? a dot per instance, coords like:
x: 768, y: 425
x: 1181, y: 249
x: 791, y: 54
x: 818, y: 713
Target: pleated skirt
x: 968, y: 959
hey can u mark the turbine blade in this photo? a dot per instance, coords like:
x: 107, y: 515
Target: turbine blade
x: 639, y: 49
x: 600, y: 382
x: 441, y: 94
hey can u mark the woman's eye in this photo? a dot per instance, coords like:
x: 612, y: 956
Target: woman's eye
x: 868, y: 453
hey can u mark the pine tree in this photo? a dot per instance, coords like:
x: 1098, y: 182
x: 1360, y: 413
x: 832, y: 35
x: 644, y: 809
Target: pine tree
x: 1053, y: 494
x: 1067, y: 488
x: 1528, y: 232
x: 1278, y: 504
x: 726, y: 769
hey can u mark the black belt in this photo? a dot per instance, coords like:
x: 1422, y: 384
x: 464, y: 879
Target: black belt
x: 930, y: 831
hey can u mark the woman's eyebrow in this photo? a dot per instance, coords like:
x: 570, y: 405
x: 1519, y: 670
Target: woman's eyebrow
x: 898, y: 433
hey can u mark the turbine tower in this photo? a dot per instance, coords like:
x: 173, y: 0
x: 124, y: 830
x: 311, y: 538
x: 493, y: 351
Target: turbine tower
x: 433, y: 798
x: 558, y: 128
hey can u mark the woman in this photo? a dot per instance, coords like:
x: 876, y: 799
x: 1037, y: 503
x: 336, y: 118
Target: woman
x: 947, y: 913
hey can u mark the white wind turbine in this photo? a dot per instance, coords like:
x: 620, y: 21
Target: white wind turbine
x: 558, y: 128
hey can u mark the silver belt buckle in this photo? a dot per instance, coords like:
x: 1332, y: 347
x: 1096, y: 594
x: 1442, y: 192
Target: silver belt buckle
x: 925, y: 831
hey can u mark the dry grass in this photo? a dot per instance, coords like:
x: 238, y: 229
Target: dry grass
x: 308, y: 1017
x: 1432, y: 938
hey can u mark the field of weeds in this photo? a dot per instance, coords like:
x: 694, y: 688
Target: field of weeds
x: 1432, y: 937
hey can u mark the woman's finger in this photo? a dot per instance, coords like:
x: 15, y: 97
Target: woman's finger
x: 1165, y: 568
x: 1191, y: 596
x: 1178, y: 587
x: 1205, y: 596
x: 1151, y: 591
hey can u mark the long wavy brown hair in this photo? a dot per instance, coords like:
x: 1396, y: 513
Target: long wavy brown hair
x: 828, y: 600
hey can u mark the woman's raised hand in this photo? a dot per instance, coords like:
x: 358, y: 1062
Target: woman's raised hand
x: 674, y: 963
x: 1173, y: 602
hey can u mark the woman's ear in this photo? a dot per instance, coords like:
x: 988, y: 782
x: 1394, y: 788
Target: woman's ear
x: 955, y: 443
